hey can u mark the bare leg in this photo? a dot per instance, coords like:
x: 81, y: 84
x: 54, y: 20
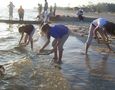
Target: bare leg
x: 32, y: 44
x: 55, y: 52
x: 104, y: 39
x: 97, y: 37
x: 60, y: 56
x: 26, y: 38
x: 55, y: 56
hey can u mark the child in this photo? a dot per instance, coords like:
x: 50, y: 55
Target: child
x: 60, y: 34
x: 28, y: 30
x: 103, y: 27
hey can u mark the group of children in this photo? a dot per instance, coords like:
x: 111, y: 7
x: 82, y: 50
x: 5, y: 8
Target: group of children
x: 60, y: 33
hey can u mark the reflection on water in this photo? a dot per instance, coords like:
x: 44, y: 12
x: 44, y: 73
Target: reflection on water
x: 22, y: 74
x: 100, y: 69
x: 24, y: 69
x: 10, y: 28
x: 99, y: 76
x: 8, y: 36
x: 92, y: 72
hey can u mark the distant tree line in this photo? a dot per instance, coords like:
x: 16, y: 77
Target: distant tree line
x: 100, y: 7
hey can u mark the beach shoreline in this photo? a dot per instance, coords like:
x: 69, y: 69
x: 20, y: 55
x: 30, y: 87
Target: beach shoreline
x: 30, y: 71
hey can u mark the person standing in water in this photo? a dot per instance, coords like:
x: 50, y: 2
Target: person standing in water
x: 103, y: 27
x: 54, y: 10
x: 45, y: 13
x: 26, y: 32
x: 39, y: 9
x: 60, y: 34
x: 11, y: 7
x: 21, y: 13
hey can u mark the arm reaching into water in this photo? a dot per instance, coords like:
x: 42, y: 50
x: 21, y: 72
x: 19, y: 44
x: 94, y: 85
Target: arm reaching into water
x: 48, y: 41
x: 104, y: 36
x: 21, y: 38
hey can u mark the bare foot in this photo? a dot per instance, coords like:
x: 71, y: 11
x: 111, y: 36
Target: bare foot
x: 59, y: 62
x: 55, y: 59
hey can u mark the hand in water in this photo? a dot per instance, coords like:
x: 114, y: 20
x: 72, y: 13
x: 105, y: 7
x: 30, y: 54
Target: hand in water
x: 52, y: 50
x: 41, y: 50
x: 23, y: 44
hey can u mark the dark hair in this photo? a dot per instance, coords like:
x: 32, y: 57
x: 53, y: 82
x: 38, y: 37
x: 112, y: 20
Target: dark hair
x: 21, y: 29
x: 1, y: 66
x: 110, y: 28
x: 45, y: 27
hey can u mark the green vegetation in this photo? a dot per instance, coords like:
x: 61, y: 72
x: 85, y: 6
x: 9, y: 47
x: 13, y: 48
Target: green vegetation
x: 100, y: 7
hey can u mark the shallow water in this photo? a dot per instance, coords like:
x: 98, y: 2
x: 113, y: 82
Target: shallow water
x: 94, y: 71
x: 25, y: 70
x: 27, y: 15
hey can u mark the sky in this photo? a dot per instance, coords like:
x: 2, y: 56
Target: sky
x: 63, y: 3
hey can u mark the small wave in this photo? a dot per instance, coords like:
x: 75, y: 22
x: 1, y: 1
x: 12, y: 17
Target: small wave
x: 24, y: 74
x: 6, y: 38
x: 20, y: 49
x: 10, y: 37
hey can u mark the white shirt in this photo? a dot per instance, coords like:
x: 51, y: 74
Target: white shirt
x: 100, y: 22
